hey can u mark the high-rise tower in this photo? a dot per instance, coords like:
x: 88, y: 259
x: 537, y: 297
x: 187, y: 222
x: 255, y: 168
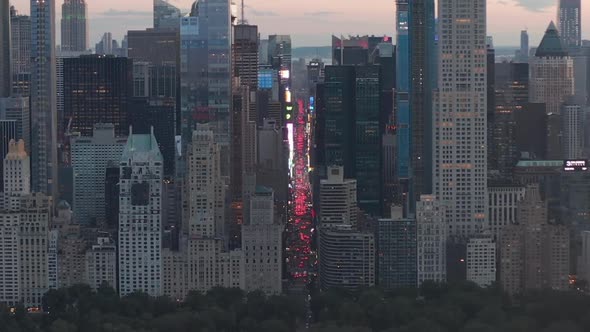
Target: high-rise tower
x: 5, y: 63
x: 43, y: 98
x: 524, y: 46
x: 205, y: 75
x: 460, y: 121
x: 74, y: 26
x: 569, y: 18
x: 415, y: 69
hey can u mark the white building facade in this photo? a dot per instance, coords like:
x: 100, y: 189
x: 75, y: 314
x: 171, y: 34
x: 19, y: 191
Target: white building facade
x: 460, y: 122
x: 140, y: 216
x: 338, y: 201
x: 432, y: 240
x: 503, y: 204
x: 481, y: 261
x: 262, y: 245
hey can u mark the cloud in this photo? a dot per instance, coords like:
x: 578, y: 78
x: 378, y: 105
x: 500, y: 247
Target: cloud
x: 321, y: 13
x: 535, y: 5
x: 116, y: 13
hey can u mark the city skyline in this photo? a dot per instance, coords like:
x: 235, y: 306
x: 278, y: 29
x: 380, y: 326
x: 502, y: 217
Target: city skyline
x: 311, y: 23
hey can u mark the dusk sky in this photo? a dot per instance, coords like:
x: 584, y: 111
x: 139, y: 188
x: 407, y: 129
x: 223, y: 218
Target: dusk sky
x: 311, y: 22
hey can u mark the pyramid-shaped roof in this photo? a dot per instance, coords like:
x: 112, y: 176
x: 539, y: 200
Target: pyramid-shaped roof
x: 551, y: 45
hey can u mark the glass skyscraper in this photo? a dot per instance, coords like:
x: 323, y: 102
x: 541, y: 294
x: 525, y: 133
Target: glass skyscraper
x: 205, y: 72
x: 43, y: 98
x: 415, y: 67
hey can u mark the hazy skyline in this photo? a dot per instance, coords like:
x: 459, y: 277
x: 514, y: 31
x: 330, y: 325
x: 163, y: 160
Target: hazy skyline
x: 311, y: 22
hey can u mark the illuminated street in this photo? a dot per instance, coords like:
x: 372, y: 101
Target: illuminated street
x: 301, y: 260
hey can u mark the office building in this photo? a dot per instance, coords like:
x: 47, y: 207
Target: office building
x: 347, y: 258
x: 338, y: 199
x: 569, y: 19
x: 5, y: 49
x: 552, y: 83
x: 91, y: 156
x: 272, y: 154
x: 24, y: 223
x: 531, y: 133
x: 156, y: 46
x: 15, y: 120
x: 105, y: 45
x: 20, y: 26
x: 279, y: 55
x: 71, y: 247
x: 74, y: 26
x: 207, y: 98
x: 245, y: 55
x: 140, y: 216
x: 551, y: 72
x: 523, y: 55
x: 350, y: 125
x: 262, y: 245
x: 97, y: 90
x: 575, y: 197
x: 534, y: 254
x: 43, y: 98
x: 503, y: 203
x: 166, y: 16
x: 157, y: 113
x: 396, y: 253
x: 481, y: 261
x: 432, y: 231
x: 414, y: 70
x: 459, y: 138
x: 367, y: 141
x: 584, y: 259
x: 101, y: 264
x: 573, y: 131
x: 511, y: 96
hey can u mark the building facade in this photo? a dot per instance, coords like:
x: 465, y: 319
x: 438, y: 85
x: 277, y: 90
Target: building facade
x: 569, y: 18
x: 96, y: 90
x: 90, y: 158
x: 397, y: 253
x: 5, y: 44
x: 43, y: 98
x: 503, y: 203
x: 460, y: 116
x: 431, y: 240
x: 262, y: 245
x: 74, y: 26
x: 534, y: 254
x: 101, y: 264
x: 20, y: 26
x: 347, y: 258
x: 140, y: 217
x: 481, y: 261
x: 338, y: 198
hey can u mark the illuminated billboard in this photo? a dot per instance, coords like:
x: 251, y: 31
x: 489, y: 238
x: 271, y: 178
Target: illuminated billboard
x: 575, y: 165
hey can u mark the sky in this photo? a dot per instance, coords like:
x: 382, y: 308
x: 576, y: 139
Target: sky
x: 312, y: 22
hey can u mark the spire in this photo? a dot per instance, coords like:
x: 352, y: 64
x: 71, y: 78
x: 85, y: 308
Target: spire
x: 551, y: 45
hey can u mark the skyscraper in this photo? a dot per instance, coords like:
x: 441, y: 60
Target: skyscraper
x: 205, y: 73
x: 90, y: 158
x: 43, y: 98
x: 552, y: 83
x: 166, y: 15
x: 96, y: 90
x: 5, y: 56
x: 140, y: 217
x: 21, y: 52
x: 569, y: 19
x: 338, y: 199
x: 74, y: 26
x: 460, y: 152
x: 524, y: 46
x: 245, y: 53
x: 415, y: 49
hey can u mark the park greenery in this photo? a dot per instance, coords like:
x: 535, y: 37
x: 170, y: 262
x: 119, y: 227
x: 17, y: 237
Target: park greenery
x: 433, y: 308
